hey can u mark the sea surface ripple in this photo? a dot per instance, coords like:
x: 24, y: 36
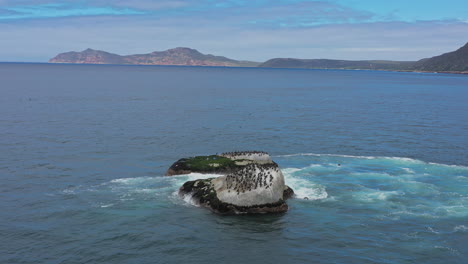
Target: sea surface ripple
x: 378, y: 161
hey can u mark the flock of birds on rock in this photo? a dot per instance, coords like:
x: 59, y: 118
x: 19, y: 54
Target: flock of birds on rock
x: 243, y: 153
x: 251, y: 177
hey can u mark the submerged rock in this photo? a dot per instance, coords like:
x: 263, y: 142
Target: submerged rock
x: 252, y: 183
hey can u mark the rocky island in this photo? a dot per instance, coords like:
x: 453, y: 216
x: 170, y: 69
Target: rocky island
x: 251, y: 183
x: 178, y: 56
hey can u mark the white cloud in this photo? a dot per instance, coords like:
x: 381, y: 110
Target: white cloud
x: 61, y: 10
x: 397, y: 41
x: 229, y: 33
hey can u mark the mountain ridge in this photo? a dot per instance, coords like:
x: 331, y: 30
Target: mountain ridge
x: 337, y: 64
x: 451, y: 62
x: 176, y: 56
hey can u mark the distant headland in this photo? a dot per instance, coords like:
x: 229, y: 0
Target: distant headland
x: 451, y: 62
x: 177, y: 56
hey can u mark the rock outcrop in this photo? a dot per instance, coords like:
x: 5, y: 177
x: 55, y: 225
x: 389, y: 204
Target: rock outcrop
x: 204, y: 164
x: 252, y: 183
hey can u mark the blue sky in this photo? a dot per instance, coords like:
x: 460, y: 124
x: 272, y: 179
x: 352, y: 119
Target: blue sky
x: 241, y: 29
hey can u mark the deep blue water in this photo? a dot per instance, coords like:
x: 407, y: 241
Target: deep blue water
x: 381, y: 156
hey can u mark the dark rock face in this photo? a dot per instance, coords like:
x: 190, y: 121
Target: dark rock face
x: 179, y: 167
x: 204, y: 194
x: 288, y: 193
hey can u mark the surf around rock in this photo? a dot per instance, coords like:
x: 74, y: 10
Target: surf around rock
x: 251, y: 183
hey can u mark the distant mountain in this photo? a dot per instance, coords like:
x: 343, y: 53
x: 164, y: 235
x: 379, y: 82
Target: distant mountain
x: 451, y: 61
x: 337, y: 64
x: 177, y: 56
x: 456, y: 61
x: 88, y: 56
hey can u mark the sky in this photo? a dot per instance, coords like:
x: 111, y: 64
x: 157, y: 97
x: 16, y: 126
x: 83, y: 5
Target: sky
x: 258, y: 30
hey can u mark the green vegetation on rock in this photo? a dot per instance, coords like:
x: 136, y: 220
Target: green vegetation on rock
x: 210, y: 163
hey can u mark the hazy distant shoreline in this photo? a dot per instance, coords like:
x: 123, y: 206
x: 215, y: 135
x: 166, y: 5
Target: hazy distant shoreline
x: 206, y: 66
x: 451, y: 62
x: 455, y: 62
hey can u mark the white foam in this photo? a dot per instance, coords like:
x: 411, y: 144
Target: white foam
x: 290, y: 170
x: 417, y: 187
x: 185, y: 199
x: 311, y: 192
x: 374, y: 195
x: 451, y: 250
x: 123, y: 180
x: 194, y: 176
x: 171, y: 180
x: 432, y: 230
x: 126, y: 199
x: 69, y: 191
x: 146, y: 190
x: 135, y: 180
x: 450, y: 166
x: 460, y: 228
x: 410, y: 160
x: 406, y: 212
x: 189, y: 200
x: 404, y: 159
x: 311, y: 170
x: 304, y: 188
x: 454, y: 210
x: 372, y: 175
x: 408, y: 170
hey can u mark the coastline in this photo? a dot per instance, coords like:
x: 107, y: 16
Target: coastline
x: 246, y: 67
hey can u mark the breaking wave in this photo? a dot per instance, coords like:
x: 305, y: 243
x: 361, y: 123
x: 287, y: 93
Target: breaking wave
x: 386, y: 186
x: 401, y: 159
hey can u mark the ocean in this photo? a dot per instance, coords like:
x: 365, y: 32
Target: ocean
x: 378, y: 160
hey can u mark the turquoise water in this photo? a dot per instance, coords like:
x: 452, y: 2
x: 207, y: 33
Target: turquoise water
x: 381, y: 158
